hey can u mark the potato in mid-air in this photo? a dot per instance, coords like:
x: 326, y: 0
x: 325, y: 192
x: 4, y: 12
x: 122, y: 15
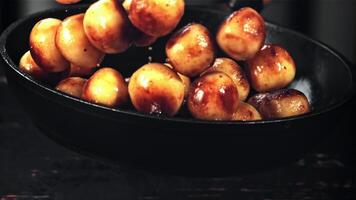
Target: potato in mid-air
x: 156, y: 89
x: 280, y: 103
x: 271, y: 69
x: 236, y: 73
x: 213, y: 96
x: 106, y: 87
x: 156, y: 17
x: 107, y: 26
x: 43, y: 46
x: 242, y: 34
x: 191, y: 50
x: 74, y: 44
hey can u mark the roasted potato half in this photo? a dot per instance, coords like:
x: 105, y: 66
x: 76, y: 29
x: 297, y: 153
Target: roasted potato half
x: 106, y: 87
x: 43, y: 46
x: 246, y: 112
x: 107, y: 26
x: 156, y: 17
x: 74, y: 44
x: 30, y: 67
x: 72, y: 86
x: 281, y: 103
x: 271, y: 69
x: 242, y: 34
x: 191, y: 50
x: 213, y: 96
x: 156, y: 89
x: 236, y: 73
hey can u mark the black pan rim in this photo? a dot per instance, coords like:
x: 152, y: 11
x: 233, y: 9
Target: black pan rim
x: 9, y: 62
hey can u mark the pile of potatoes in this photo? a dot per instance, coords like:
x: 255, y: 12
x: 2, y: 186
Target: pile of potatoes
x: 72, y: 49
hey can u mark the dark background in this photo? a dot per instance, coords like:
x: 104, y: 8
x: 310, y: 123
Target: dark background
x: 34, y: 167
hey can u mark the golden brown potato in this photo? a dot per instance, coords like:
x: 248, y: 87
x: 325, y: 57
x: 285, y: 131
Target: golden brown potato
x: 72, y: 86
x: 185, y: 79
x: 106, y: 87
x: 127, y: 4
x: 156, y: 17
x: 242, y: 34
x: 280, y: 103
x: 236, y: 73
x: 28, y: 66
x: 107, y: 26
x: 191, y: 50
x: 76, y: 70
x: 246, y: 112
x: 43, y: 46
x: 271, y: 69
x: 74, y: 45
x: 140, y: 39
x: 156, y: 89
x: 67, y: 1
x: 213, y: 96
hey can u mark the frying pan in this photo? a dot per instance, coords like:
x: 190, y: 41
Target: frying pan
x: 182, y: 145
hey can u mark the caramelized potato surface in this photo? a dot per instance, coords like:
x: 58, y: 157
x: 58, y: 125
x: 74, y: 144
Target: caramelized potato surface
x: 107, y: 26
x: 74, y: 45
x: 186, y: 80
x: 156, y: 17
x: 236, y: 73
x: 43, y: 46
x: 72, y: 86
x: 271, y: 69
x: 68, y: 1
x: 191, y: 50
x: 106, y: 87
x: 156, y: 89
x: 246, y: 112
x: 281, y: 104
x: 213, y: 96
x: 242, y: 34
x: 140, y: 39
x: 29, y: 66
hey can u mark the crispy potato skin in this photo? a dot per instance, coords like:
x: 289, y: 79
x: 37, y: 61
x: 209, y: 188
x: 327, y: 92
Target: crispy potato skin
x: 72, y: 86
x: 191, y: 50
x: 246, y: 112
x: 43, y: 48
x: 242, y: 34
x: 213, y: 96
x: 271, y: 69
x: 29, y: 66
x: 186, y: 80
x: 156, y: 89
x: 156, y: 17
x: 140, y: 38
x: 280, y: 104
x: 74, y: 45
x: 68, y: 1
x: 106, y: 87
x: 236, y: 73
x: 107, y: 26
